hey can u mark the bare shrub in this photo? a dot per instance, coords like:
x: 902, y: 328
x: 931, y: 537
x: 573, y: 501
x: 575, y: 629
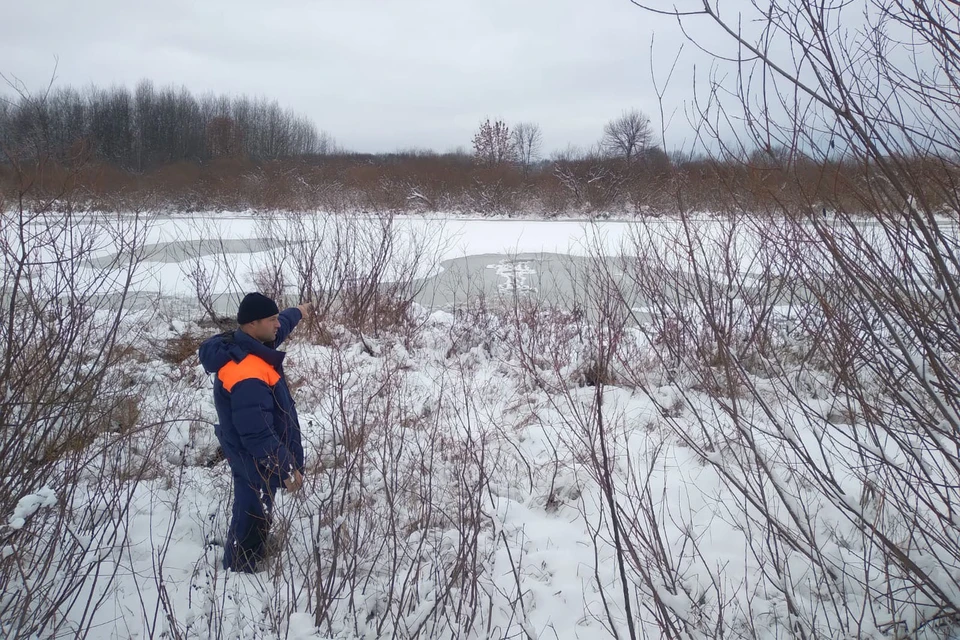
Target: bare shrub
x: 69, y: 403
x: 361, y: 270
x: 838, y: 457
x: 594, y: 183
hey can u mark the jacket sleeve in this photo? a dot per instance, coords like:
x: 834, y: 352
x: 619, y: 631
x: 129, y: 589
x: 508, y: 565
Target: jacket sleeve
x: 252, y: 407
x: 289, y: 318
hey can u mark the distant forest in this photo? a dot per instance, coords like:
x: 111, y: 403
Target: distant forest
x: 150, y: 127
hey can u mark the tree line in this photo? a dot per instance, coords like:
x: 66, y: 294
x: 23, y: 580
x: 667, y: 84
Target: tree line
x: 149, y: 127
x: 164, y: 147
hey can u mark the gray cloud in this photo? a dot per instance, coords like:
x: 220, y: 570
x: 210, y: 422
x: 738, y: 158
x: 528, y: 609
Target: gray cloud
x: 377, y: 74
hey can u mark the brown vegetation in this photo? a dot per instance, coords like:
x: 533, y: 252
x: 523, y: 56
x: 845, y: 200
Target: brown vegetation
x: 167, y: 150
x: 653, y: 184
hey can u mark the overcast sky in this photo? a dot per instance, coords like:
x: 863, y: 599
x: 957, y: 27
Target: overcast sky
x: 378, y: 75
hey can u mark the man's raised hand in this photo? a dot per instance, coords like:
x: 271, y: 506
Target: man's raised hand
x: 306, y: 309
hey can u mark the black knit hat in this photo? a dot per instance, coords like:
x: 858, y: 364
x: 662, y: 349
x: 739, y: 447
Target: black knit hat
x: 256, y: 306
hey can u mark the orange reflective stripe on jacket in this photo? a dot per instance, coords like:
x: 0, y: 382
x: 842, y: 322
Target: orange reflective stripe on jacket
x: 251, y: 367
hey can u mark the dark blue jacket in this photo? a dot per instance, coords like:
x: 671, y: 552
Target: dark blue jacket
x: 258, y: 428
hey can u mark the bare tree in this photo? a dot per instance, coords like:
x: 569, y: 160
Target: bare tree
x: 326, y: 144
x: 628, y: 135
x: 527, y: 141
x: 492, y: 144
x: 867, y: 93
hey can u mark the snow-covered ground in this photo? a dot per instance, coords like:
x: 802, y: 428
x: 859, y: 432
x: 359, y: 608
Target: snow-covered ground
x: 453, y: 483
x: 468, y: 479
x: 460, y: 479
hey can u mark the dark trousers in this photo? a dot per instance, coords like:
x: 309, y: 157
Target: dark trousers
x: 247, y: 536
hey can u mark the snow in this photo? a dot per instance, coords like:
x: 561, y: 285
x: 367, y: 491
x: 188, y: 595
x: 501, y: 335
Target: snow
x: 547, y: 549
x: 29, y: 505
x: 214, y: 243
x: 446, y: 239
x: 444, y: 451
x: 514, y: 275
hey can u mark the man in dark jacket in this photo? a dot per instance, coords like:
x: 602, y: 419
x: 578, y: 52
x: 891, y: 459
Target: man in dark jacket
x: 258, y: 428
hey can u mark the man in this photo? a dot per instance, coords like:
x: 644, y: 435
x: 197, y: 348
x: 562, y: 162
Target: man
x: 258, y: 428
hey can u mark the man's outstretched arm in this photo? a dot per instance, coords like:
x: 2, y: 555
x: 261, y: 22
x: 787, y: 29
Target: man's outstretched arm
x: 289, y: 318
